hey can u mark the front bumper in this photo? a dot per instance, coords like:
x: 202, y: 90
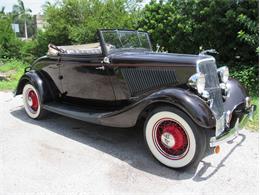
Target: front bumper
x: 232, y: 133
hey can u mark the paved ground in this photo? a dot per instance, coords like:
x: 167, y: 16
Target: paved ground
x: 59, y: 155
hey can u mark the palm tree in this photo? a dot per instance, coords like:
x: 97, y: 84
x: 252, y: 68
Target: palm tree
x: 20, y: 11
x: 2, y: 11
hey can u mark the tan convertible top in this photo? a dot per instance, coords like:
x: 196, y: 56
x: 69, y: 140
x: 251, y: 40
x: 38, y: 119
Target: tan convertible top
x: 91, y: 48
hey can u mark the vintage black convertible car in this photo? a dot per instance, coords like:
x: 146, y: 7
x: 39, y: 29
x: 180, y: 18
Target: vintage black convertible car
x: 187, y: 104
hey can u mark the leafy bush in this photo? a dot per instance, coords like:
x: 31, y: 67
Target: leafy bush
x: 187, y: 26
x: 41, y: 43
x: 229, y: 26
x: 9, y: 44
x: 249, y: 77
x: 76, y: 21
x: 249, y: 33
x: 28, y: 51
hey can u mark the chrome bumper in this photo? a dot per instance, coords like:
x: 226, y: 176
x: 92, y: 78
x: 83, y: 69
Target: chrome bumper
x: 233, y: 133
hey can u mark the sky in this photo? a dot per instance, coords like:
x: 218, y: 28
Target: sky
x: 34, y: 5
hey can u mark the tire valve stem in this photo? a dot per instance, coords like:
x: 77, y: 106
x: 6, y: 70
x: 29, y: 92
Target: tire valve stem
x: 217, y: 149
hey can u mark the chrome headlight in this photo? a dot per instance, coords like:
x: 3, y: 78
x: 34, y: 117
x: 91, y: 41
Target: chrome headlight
x: 223, y: 73
x: 197, y: 81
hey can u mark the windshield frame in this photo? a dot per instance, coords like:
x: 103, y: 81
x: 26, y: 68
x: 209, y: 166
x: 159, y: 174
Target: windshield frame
x: 103, y: 43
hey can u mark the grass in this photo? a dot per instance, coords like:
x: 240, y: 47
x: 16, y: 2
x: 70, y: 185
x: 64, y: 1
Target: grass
x: 17, y: 69
x: 254, y: 125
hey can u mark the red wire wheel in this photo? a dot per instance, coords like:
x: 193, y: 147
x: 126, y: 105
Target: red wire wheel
x: 33, y: 100
x: 170, y: 139
x: 173, y: 138
x: 32, y: 103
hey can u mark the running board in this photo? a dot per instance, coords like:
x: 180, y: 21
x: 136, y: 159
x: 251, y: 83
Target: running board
x: 91, y: 116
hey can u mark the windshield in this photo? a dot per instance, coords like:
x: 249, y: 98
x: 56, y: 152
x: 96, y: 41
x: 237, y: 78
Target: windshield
x: 124, y: 39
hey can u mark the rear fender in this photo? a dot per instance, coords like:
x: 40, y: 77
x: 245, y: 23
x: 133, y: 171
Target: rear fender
x: 37, y: 81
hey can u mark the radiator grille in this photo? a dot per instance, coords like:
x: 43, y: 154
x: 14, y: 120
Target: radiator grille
x: 144, y: 79
x: 209, y: 68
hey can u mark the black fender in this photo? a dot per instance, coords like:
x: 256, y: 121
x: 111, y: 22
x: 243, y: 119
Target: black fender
x: 236, y: 95
x: 235, y: 101
x: 38, y: 81
x: 191, y: 104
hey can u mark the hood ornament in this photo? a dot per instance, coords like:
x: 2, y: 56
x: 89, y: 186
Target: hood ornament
x: 208, y: 51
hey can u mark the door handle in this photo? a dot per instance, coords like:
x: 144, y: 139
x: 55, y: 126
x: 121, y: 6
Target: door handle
x: 100, y: 68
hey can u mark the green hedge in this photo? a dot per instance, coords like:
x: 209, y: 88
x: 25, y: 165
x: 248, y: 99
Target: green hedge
x: 249, y: 77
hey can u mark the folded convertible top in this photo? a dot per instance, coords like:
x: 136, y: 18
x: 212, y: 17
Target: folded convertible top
x: 92, y: 48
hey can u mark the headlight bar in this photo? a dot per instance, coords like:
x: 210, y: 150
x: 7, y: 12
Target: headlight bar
x: 197, y: 81
x: 223, y: 74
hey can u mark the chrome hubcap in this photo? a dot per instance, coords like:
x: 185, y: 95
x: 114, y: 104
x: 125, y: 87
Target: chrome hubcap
x: 168, y: 140
x: 30, y: 103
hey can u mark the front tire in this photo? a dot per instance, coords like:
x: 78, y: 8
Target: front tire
x: 32, y: 103
x: 173, y: 138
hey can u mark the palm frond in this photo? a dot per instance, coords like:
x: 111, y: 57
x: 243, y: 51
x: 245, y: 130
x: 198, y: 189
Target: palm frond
x: 21, y: 4
x: 28, y: 10
x: 16, y: 8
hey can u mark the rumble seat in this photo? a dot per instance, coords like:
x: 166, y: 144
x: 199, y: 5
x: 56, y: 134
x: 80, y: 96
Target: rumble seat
x: 91, y: 48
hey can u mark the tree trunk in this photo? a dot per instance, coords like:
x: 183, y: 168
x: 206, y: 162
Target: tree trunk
x: 25, y: 29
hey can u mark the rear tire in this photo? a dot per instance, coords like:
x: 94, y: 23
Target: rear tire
x: 32, y: 103
x: 173, y: 138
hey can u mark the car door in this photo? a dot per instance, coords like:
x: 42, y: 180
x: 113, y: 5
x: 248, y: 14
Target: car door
x: 86, y: 77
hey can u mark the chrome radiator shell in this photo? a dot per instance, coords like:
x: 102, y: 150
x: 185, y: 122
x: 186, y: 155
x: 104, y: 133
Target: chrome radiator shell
x: 209, y: 69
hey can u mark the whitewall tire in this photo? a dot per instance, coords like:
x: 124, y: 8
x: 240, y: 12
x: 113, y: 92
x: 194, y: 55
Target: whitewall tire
x: 32, y: 103
x: 173, y: 138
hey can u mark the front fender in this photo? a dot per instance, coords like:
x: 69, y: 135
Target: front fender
x: 236, y: 101
x: 236, y: 95
x: 191, y: 104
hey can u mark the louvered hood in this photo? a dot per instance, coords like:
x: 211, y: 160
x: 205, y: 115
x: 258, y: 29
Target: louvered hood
x: 147, y: 71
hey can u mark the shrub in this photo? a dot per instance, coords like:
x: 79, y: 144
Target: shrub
x: 9, y: 44
x: 42, y: 41
x: 248, y: 76
x: 229, y: 26
x: 28, y: 52
x: 76, y: 21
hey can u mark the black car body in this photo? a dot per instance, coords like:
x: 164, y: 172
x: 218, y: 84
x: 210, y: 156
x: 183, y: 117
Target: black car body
x: 121, y: 81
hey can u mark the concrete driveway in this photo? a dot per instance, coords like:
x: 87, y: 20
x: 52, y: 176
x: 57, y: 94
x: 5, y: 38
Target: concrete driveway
x: 59, y: 155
